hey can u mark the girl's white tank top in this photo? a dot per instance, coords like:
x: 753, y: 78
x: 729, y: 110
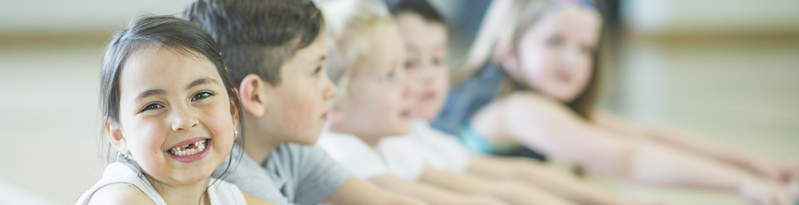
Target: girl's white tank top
x: 219, y: 193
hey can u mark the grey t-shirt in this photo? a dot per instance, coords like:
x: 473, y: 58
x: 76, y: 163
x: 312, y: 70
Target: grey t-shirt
x: 292, y: 174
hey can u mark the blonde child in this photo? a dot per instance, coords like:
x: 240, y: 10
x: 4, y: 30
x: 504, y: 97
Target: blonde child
x: 425, y: 36
x: 367, y: 62
x: 171, y: 111
x: 530, y: 81
x: 276, y: 57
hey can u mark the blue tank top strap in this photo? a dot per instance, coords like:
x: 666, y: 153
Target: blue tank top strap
x: 468, y: 97
x: 477, y: 143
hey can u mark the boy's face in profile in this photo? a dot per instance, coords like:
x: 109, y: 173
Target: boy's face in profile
x: 426, y: 62
x: 378, y: 101
x: 297, y: 108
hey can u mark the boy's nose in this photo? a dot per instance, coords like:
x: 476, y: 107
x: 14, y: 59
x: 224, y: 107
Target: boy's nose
x: 330, y: 90
x: 411, y: 89
x: 425, y: 74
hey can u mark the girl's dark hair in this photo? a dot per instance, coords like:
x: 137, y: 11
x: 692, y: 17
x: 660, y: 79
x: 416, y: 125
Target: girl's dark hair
x: 421, y: 7
x: 174, y: 34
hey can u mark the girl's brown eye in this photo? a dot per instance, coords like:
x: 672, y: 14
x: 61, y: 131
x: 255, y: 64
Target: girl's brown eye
x: 201, y: 95
x: 151, y: 106
x: 554, y: 42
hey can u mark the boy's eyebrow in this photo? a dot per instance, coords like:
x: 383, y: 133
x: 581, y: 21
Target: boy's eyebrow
x: 200, y: 82
x: 322, y: 59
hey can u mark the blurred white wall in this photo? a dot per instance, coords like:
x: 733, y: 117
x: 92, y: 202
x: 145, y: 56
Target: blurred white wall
x: 35, y: 16
x: 711, y: 17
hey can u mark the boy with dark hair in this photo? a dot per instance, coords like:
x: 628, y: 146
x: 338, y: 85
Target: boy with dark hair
x: 276, y: 55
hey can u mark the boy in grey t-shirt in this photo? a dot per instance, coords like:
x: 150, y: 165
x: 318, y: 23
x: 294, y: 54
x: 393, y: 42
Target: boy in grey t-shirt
x: 301, y: 174
x: 275, y: 54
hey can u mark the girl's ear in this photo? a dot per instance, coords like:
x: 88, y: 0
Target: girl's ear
x: 116, y: 138
x: 252, y: 101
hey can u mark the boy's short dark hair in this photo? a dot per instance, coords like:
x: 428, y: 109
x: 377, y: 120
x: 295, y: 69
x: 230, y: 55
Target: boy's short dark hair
x: 257, y: 36
x: 421, y: 7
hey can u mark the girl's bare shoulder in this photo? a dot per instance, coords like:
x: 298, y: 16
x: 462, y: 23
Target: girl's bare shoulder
x: 120, y: 193
x: 528, y: 101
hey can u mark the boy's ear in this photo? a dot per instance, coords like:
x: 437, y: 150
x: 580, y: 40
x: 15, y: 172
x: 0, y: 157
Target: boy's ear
x: 116, y: 138
x: 250, y: 92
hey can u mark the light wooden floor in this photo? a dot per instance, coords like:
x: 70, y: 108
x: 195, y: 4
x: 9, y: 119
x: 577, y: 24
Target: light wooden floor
x: 742, y: 92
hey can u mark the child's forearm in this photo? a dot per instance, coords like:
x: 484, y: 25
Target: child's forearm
x: 507, y: 190
x: 656, y: 163
x: 693, y: 143
x: 359, y: 192
x: 454, y: 182
x: 698, y: 144
x: 530, y: 172
x: 661, y: 164
x: 429, y: 193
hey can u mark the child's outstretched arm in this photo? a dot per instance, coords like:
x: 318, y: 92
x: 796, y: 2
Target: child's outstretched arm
x: 508, y: 190
x: 699, y: 144
x: 429, y: 193
x: 360, y: 192
x: 547, y: 126
x: 529, y: 171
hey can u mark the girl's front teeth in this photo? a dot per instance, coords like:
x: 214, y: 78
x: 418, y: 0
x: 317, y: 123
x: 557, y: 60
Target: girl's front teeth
x: 199, y: 146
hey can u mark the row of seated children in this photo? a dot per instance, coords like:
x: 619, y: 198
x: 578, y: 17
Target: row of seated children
x: 162, y: 84
x: 180, y: 96
x: 529, y: 55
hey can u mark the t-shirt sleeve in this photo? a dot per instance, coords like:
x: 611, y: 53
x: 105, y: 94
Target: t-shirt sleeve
x: 250, y: 177
x: 353, y: 154
x: 318, y: 175
x: 444, y: 150
x: 403, y: 157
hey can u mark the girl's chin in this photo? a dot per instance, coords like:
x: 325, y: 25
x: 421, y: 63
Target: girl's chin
x: 197, y: 178
x: 184, y: 177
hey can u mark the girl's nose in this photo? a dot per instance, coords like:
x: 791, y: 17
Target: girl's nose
x: 183, y: 120
x: 569, y: 56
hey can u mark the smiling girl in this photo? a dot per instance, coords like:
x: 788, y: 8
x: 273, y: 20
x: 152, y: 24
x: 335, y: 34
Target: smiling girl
x: 171, y: 112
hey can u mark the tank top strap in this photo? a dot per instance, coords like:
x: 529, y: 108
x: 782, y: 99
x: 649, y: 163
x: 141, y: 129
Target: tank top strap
x: 469, y: 96
x: 121, y: 173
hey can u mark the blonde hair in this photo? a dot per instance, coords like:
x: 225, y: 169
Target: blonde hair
x: 503, y: 19
x: 504, y: 23
x: 349, y: 24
